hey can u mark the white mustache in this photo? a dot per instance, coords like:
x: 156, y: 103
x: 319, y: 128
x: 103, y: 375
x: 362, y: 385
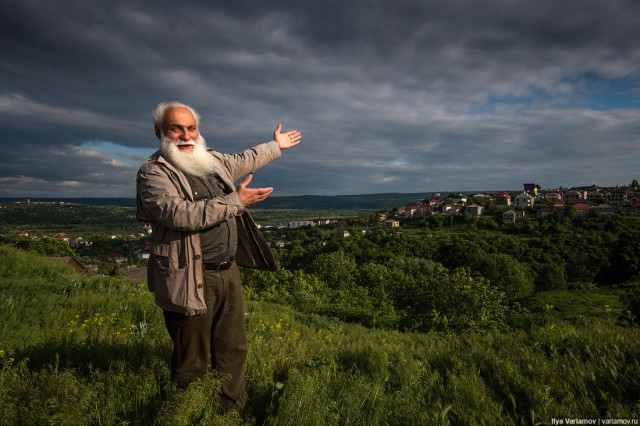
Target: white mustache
x: 198, y: 162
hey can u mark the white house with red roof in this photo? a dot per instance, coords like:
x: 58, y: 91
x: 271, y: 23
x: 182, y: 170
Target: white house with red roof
x: 503, y: 199
x: 582, y: 210
x: 559, y: 206
x: 636, y: 207
x: 409, y: 211
x: 436, y: 201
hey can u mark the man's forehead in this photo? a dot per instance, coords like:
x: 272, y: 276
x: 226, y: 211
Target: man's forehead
x: 179, y: 115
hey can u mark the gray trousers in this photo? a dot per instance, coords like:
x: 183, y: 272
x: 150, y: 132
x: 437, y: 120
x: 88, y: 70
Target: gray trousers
x: 219, y: 334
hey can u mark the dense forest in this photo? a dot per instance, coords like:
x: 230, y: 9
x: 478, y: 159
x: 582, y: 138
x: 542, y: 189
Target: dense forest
x: 451, y: 273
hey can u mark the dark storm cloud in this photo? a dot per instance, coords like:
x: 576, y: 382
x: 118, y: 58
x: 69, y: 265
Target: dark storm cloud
x: 390, y: 96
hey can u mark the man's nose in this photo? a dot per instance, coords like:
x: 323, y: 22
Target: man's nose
x: 184, y: 135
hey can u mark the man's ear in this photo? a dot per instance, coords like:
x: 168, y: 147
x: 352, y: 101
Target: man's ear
x: 158, y: 132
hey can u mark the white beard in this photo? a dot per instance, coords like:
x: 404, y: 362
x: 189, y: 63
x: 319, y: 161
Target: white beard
x: 198, y: 163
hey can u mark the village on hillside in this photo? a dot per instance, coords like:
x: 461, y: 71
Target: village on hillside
x: 531, y: 203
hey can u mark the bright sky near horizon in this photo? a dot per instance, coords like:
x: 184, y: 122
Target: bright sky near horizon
x: 390, y: 96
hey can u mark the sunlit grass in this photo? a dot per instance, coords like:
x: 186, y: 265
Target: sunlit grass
x: 85, y: 350
x: 602, y: 304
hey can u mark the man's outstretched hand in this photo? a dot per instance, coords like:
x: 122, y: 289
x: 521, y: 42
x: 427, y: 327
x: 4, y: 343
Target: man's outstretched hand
x: 251, y: 196
x: 287, y: 139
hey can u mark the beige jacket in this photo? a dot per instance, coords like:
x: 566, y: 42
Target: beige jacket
x: 165, y: 200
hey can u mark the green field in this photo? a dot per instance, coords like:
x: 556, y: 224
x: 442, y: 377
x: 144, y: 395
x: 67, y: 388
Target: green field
x: 93, y: 350
x: 275, y: 217
x: 85, y: 220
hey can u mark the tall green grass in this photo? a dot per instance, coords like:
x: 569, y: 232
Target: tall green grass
x: 88, y: 350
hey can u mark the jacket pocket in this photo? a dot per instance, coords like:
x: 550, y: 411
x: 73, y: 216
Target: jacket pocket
x: 169, y: 256
x: 170, y: 282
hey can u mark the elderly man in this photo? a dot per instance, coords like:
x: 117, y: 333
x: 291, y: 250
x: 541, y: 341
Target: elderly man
x: 201, y: 232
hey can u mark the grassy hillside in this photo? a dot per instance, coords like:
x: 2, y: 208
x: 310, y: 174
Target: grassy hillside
x: 92, y: 350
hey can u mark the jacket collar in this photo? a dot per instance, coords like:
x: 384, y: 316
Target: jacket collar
x: 157, y: 158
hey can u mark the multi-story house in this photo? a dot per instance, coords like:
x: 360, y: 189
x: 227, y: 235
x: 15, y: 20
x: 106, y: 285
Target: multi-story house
x: 532, y: 188
x: 512, y: 216
x: 474, y: 210
x: 524, y: 200
x: 596, y: 195
x: 618, y: 196
x: 554, y: 196
x: 390, y: 223
x: 574, y: 195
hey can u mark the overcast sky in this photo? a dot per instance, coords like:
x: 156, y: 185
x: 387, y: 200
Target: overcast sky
x: 390, y: 96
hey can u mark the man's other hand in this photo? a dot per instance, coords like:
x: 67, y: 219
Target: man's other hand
x: 287, y: 139
x: 251, y: 196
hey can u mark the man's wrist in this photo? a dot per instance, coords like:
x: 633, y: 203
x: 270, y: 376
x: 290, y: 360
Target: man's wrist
x: 240, y: 201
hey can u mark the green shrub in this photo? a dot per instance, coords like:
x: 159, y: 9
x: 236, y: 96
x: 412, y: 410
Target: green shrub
x: 454, y: 301
x: 515, y: 279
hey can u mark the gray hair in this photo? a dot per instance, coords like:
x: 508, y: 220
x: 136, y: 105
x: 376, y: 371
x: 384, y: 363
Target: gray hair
x: 161, y: 109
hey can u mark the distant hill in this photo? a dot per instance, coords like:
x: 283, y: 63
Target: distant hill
x: 125, y: 202
x: 308, y: 202
x: 342, y: 202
